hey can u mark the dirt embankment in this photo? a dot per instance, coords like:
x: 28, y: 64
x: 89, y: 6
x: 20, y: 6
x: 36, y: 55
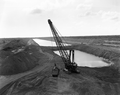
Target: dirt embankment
x: 18, y: 56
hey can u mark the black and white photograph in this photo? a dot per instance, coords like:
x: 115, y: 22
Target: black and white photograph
x: 59, y: 47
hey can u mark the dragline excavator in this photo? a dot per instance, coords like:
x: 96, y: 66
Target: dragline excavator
x: 70, y: 66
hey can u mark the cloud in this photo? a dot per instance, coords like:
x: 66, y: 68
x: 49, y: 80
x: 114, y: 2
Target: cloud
x: 49, y: 5
x: 114, y: 16
x: 85, y: 14
x: 36, y: 11
x: 84, y: 9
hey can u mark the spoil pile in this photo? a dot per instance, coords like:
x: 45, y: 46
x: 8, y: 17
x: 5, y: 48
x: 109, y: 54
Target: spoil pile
x: 17, y: 57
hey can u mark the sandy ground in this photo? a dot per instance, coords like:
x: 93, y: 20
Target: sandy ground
x: 66, y: 84
x: 7, y: 79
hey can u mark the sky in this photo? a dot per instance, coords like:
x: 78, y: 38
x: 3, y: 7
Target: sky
x: 28, y: 18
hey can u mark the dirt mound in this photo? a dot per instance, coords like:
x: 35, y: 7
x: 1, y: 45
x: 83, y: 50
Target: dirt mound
x: 13, y: 44
x: 17, y: 56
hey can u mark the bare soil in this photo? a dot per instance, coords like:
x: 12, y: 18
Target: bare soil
x: 39, y: 81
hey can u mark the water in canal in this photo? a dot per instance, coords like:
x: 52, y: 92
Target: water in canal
x: 81, y: 58
x: 89, y: 60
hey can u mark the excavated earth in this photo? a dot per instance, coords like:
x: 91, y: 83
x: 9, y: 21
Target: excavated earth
x: 26, y: 70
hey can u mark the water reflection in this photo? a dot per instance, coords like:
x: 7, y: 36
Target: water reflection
x: 46, y: 43
x: 85, y: 59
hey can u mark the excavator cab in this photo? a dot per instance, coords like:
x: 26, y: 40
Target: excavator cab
x: 71, y: 68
